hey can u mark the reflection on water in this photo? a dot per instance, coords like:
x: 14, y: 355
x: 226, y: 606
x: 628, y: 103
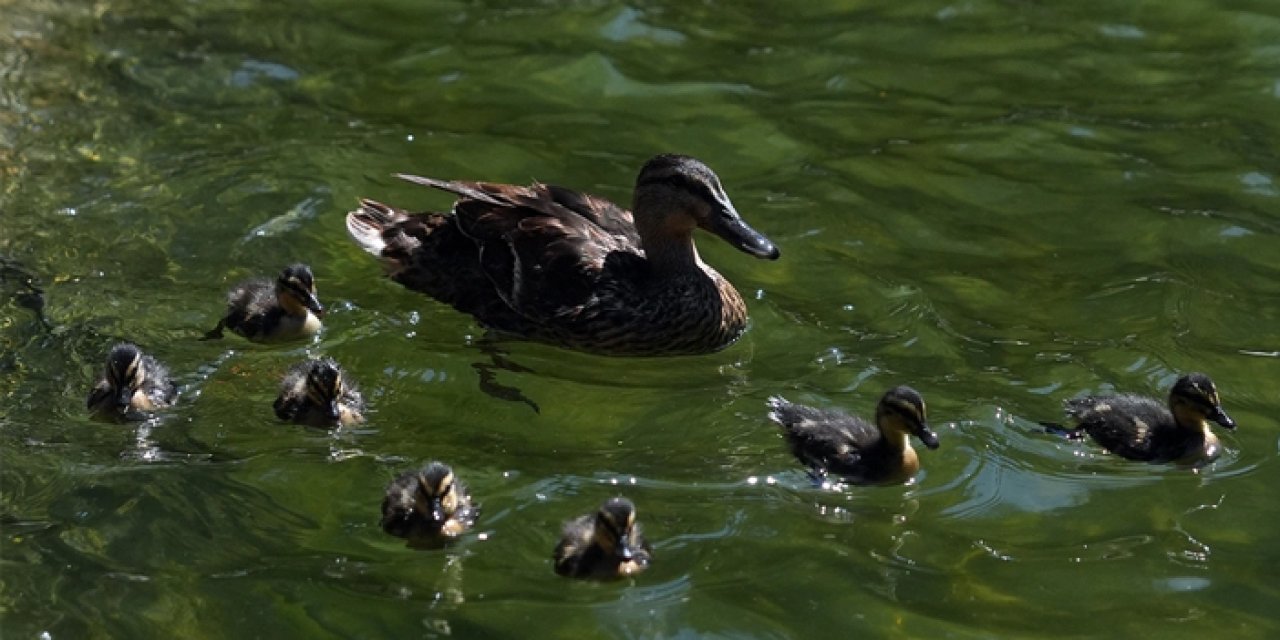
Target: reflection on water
x: 1001, y: 204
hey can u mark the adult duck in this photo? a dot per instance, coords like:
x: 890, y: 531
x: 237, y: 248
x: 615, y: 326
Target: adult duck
x: 554, y: 265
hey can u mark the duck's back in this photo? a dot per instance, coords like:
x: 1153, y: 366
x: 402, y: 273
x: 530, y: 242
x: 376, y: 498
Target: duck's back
x: 549, y: 252
x: 575, y: 555
x: 252, y: 308
x: 159, y: 388
x: 1133, y: 427
x: 830, y: 440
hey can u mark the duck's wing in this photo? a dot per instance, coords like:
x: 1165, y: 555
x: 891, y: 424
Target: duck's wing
x: 251, y: 308
x: 100, y: 393
x: 398, y: 505
x: 161, y: 389
x: 542, y: 247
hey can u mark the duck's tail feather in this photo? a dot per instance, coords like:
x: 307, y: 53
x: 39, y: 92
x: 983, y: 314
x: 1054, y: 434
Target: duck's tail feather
x: 783, y: 411
x: 366, y: 224
x: 487, y: 193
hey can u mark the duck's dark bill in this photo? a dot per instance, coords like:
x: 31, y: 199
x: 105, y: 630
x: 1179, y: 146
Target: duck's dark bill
x: 1219, y: 416
x: 735, y: 231
x: 928, y: 437
x: 314, y: 305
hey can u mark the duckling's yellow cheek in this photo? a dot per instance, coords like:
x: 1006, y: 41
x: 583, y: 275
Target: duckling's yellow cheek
x: 312, y: 324
x: 629, y: 568
x: 348, y: 417
x: 140, y: 401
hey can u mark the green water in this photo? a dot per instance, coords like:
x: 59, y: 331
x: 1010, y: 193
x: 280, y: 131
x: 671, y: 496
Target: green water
x: 1003, y: 204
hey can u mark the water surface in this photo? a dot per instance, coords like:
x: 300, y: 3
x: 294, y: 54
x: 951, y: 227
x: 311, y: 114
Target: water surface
x: 1003, y: 204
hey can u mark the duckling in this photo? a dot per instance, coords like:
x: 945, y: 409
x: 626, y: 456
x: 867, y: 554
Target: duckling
x: 860, y: 452
x: 604, y: 544
x: 132, y: 382
x: 1139, y: 428
x: 316, y: 393
x: 550, y: 264
x: 266, y: 311
x: 428, y: 504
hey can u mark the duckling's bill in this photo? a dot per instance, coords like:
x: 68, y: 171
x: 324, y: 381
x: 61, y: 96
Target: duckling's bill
x: 1219, y: 416
x: 926, y: 435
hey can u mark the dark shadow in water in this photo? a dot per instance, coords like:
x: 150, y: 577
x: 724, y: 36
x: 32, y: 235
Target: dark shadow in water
x: 24, y: 288
x: 488, y: 372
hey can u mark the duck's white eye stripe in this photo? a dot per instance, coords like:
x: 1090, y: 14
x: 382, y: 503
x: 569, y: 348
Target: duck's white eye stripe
x: 721, y: 198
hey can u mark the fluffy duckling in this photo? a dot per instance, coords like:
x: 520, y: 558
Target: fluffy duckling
x: 604, y: 544
x: 263, y: 310
x: 430, y: 503
x: 848, y: 446
x: 132, y: 383
x: 316, y: 393
x: 1139, y: 428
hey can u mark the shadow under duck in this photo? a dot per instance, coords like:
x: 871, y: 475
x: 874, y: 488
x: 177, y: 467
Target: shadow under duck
x: 551, y: 264
x: 835, y: 442
x: 266, y: 310
x: 428, y: 504
x: 1140, y: 428
x: 132, y: 383
x: 605, y: 544
x: 315, y: 392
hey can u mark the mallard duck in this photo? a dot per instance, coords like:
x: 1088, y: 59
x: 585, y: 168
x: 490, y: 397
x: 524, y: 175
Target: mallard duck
x: 858, y: 451
x: 428, y: 503
x: 315, y: 392
x: 132, y: 382
x: 264, y: 310
x: 570, y: 269
x: 1140, y: 428
x: 604, y: 544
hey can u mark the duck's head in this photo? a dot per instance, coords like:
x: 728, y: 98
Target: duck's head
x: 1194, y: 397
x: 615, y: 523
x: 325, y: 386
x: 296, y: 290
x: 674, y: 194
x: 437, y: 494
x: 902, y: 409
x: 125, y: 373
